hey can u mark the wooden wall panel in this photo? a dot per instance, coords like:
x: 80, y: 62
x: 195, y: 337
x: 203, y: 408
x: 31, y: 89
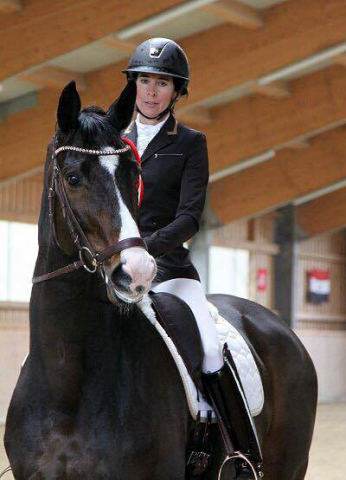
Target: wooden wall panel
x: 326, y: 252
x: 20, y: 201
x: 334, y: 244
x: 328, y: 352
x: 38, y: 35
x: 232, y: 231
x: 262, y: 260
x: 257, y: 236
x: 14, y: 346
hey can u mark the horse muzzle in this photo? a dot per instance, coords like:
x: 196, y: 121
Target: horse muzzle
x: 131, y: 278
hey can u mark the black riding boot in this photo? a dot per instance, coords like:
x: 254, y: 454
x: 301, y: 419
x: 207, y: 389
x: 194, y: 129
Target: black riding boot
x: 229, y: 402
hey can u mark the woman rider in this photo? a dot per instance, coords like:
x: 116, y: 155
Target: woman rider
x: 174, y: 162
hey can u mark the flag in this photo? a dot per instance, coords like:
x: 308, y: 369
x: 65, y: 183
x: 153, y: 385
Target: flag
x: 318, y: 286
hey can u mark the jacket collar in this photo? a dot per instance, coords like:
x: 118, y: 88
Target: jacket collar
x: 166, y: 135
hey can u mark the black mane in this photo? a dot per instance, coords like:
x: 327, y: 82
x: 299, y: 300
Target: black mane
x: 95, y: 129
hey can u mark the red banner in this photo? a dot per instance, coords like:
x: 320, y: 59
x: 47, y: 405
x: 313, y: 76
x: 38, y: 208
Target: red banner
x: 262, y: 279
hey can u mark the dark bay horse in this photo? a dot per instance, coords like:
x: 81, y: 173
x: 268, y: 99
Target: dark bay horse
x: 99, y: 396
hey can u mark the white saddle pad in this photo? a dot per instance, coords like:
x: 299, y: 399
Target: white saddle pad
x: 243, y: 358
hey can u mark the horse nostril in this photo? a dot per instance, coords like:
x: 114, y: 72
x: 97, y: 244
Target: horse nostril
x: 139, y: 289
x: 121, y: 278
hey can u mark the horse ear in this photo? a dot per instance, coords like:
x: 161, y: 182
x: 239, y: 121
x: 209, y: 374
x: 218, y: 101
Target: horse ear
x: 121, y: 110
x: 69, y: 107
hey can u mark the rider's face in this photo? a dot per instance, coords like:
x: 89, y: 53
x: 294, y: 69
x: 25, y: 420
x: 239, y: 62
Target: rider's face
x: 154, y: 94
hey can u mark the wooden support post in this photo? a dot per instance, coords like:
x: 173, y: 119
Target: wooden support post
x: 286, y: 265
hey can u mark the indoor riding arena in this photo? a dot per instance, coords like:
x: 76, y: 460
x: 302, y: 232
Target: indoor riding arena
x: 268, y: 89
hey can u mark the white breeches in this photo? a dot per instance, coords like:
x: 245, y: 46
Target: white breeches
x: 192, y: 293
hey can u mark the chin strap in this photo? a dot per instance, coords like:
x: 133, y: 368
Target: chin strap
x: 166, y: 110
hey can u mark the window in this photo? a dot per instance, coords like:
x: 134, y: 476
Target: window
x: 229, y: 271
x: 18, y: 252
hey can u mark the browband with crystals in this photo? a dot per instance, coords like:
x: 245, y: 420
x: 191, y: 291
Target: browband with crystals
x: 92, y: 152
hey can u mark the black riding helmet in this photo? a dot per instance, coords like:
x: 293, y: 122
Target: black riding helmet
x: 161, y: 56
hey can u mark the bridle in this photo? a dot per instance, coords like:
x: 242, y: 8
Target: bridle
x: 89, y: 259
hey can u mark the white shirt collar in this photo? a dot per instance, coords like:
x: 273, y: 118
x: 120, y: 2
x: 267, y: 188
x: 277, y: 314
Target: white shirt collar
x: 147, y: 129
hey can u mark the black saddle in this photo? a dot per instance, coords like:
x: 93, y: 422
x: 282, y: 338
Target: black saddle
x: 177, y: 319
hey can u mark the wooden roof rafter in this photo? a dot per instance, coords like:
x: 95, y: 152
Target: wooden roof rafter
x: 323, y: 214
x: 292, y: 175
x: 277, y: 89
x: 258, y: 123
x: 198, y: 115
x: 236, y: 13
x: 10, y: 6
x: 53, y: 77
x: 125, y: 46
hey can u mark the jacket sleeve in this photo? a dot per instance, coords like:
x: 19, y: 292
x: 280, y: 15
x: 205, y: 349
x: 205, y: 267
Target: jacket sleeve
x: 192, y: 199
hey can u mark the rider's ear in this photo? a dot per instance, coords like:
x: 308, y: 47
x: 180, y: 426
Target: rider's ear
x: 121, y: 110
x: 69, y: 108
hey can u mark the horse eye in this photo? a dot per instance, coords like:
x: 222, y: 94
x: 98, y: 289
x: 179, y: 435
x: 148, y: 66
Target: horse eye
x: 73, y: 179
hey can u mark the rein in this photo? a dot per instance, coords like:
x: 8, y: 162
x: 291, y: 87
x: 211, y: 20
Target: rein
x: 89, y: 259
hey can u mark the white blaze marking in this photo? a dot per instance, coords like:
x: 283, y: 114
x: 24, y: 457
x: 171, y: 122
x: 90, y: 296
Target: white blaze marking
x: 128, y: 225
x: 109, y: 162
x: 137, y: 262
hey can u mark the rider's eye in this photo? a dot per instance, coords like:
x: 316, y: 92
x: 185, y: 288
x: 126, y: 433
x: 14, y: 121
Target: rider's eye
x: 73, y: 179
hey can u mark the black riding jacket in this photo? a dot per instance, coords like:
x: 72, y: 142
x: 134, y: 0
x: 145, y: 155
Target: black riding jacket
x: 175, y: 176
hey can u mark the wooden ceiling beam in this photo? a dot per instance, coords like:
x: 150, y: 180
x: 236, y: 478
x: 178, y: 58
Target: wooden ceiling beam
x: 239, y: 130
x: 252, y: 125
x: 293, y: 31
x: 59, y: 28
x: 240, y: 55
x: 10, y: 6
x: 271, y: 184
x: 279, y: 89
x: 53, y: 77
x: 340, y: 59
x: 125, y: 46
x: 236, y: 13
x: 197, y: 116
x: 324, y: 214
x: 298, y: 144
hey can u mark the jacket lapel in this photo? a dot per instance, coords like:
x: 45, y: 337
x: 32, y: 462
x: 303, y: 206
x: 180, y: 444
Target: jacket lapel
x: 131, y: 132
x: 166, y: 135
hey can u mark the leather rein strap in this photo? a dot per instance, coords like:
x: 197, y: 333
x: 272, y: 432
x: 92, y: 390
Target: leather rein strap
x: 81, y: 241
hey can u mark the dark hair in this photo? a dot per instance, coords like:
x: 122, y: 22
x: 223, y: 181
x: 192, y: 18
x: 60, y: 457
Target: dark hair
x: 177, y: 82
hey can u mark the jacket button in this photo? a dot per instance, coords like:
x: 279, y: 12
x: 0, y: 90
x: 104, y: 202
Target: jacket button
x: 154, y: 224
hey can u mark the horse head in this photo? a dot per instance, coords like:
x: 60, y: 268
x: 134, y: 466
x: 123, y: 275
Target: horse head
x: 95, y: 193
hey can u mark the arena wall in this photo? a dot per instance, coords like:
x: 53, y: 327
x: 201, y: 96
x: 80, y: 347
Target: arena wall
x: 321, y: 328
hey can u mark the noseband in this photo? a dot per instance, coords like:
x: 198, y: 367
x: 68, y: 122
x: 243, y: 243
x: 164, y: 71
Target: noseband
x: 88, y: 257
